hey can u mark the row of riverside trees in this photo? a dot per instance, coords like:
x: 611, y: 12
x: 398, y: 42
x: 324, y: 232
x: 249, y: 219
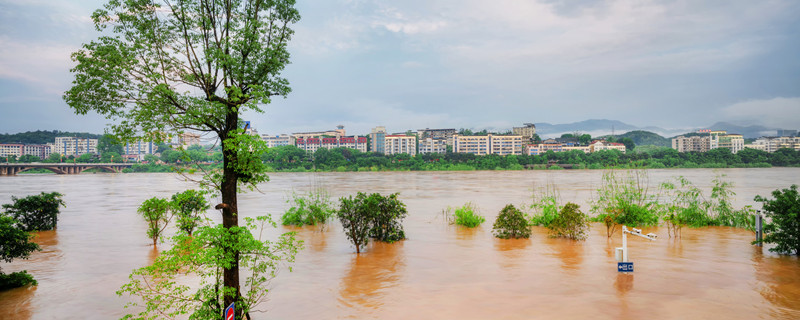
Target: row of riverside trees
x: 291, y: 158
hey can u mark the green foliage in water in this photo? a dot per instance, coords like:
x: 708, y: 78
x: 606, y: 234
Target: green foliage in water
x: 15, y: 243
x: 165, y: 293
x: 36, y: 212
x: 723, y: 211
x: 16, y: 280
x: 511, y: 223
x: 374, y: 216
x: 311, y: 208
x: 155, y: 212
x: 545, y: 206
x: 468, y: 216
x: 625, y: 200
x: 784, y: 228
x: 188, y: 206
x: 570, y: 223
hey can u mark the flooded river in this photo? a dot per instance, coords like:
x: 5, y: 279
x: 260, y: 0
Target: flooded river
x: 441, y: 271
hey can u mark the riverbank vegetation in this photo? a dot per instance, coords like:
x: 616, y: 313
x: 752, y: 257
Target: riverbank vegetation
x: 37, y: 212
x: 15, y: 243
x: 511, y: 224
x: 466, y: 215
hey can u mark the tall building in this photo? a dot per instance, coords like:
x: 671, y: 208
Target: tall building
x: 397, y: 144
x: 526, y: 131
x: 714, y: 139
x: 787, y: 133
x: 377, y: 140
x: 74, y: 146
x: 140, y: 148
x: 488, y: 144
x: 734, y: 142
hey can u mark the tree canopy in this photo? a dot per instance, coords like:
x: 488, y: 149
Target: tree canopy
x: 168, y: 67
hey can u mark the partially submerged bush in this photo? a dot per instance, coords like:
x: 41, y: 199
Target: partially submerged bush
x: 511, y: 223
x: 544, y: 208
x: 468, y: 216
x: 625, y: 201
x: 372, y: 216
x: 312, y: 208
x: 784, y: 229
x: 37, y: 212
x: 570, y: 223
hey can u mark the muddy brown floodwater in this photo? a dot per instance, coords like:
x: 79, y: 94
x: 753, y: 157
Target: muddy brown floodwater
x: 440, y: 271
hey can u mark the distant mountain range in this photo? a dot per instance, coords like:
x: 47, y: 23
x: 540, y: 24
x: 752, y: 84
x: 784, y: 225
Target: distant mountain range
x: 600, y: 127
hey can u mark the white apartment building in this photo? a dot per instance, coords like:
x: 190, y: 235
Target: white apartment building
x: 430, y: 145
x: 185, y: 140
x: 74, y: 146
x: 139, y: 148
x: 604, y: 145
x: 276, y: 141
x: 488, y: 144
x: 772, y: 144
x: 397, y: 144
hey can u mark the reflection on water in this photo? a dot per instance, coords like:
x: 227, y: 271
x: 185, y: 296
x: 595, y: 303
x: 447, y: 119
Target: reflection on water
x: 371, y: 274
x: 440, y: 272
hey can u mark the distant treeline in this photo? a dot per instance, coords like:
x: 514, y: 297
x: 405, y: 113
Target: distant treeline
x: 291, y: 158
x: 42, y: 137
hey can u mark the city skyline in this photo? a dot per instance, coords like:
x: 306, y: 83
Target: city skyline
x: 470, y: 64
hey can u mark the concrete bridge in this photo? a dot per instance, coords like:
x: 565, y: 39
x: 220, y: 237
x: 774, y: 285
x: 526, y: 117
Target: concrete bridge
x: 11, y: 169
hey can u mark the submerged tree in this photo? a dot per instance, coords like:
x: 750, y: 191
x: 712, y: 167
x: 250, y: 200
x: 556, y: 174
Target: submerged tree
x: 170, y: 66
x: 14, y: 243
x: 38, y: 212
x: 784, y: 227
x: 511, y: 223
x: 156, y: 212
x: 188, y: 206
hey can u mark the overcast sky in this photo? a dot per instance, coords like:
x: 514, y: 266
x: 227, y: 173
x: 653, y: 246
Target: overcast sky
x: 467, y: 63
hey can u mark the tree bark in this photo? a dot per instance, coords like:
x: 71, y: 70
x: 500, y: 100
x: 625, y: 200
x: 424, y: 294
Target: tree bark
x: 230, y: 216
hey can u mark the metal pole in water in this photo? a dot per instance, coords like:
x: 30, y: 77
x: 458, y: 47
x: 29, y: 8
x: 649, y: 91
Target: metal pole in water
x: 759, y: 228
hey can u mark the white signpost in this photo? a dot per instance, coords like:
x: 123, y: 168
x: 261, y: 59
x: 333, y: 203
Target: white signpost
x: 621, y: 253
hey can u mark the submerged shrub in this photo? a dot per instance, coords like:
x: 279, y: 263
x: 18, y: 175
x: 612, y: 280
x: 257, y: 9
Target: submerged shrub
x: 511, y: 223
x: 570, y: 223
x: 36, y: 212
x: 372, y: 216
x: 467, y: 215
x: 309, y: 209
x: 784, y: 227
x: 545, y: 206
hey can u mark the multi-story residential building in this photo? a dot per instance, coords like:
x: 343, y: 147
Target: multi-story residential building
x: 556, y: 146
x: 431, y: 145
x: 694, y: 143
x: 139, y: 148
x: 399, y: 143
x: 734, y: 142
x: 772, y: 144
x: 377, y: 140
x: 714, y: 140
x: 18, y: 150
x: 314, y: 144
x: 436, y: 134
x: 185, y: 140
x: 600, y: 145
x: 488, y: 144
x: 281, y: 140
x: 526, y: 131
x: 74, y: 146
x: 339, y: 132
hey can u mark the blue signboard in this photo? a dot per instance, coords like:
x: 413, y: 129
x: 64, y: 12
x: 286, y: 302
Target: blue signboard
x: 229, y: 312
x: 625, y: 266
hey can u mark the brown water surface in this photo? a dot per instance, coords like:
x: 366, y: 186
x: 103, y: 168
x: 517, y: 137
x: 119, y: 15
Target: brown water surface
x: 440, y: 272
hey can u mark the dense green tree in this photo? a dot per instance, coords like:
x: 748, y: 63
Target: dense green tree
x: 28, y: 158
x: 628, y: 142
x: 188, y: 207
x: 155, y: 212
x: 36, y: 212
x: 15, y: 243
x: 784, y: 227
x: 570, y: 223
x: 231, y: 53
x: 356, y: 215
x: 85, y: 158
x: 511, y: 223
